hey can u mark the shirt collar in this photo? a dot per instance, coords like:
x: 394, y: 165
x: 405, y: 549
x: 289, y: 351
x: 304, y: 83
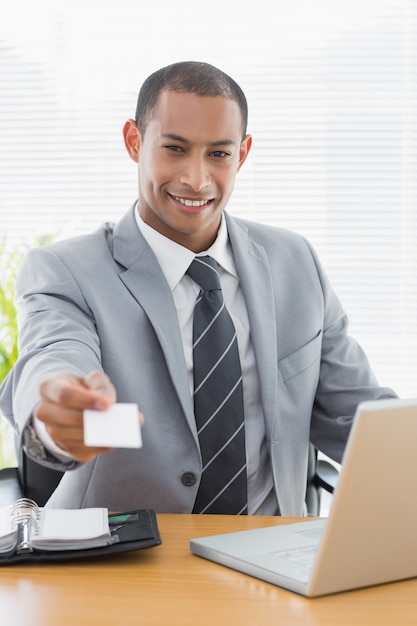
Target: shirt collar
x: 174, y: 259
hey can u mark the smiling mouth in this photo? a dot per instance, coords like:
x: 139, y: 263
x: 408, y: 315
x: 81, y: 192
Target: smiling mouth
x: 192, y: 203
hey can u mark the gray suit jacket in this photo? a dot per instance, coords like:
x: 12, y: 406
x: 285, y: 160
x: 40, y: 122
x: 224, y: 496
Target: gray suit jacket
x: 100, y: 301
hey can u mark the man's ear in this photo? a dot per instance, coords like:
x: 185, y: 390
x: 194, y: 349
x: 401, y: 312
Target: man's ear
x: 131, y: 136
x: 245, y: 147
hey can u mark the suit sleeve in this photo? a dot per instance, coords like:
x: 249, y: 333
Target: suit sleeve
x: 57, y: 335
x: 346, y: 377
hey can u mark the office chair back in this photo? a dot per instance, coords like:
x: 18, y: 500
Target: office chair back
x: 38, y: 482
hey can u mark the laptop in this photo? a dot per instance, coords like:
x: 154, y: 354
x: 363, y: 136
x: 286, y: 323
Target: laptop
x: 370, y: 536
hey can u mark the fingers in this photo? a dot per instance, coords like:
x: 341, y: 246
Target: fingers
x: 101, y: 384
x: 92, y: 392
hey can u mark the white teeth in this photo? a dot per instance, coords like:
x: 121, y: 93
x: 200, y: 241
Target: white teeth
x: 191, y: 202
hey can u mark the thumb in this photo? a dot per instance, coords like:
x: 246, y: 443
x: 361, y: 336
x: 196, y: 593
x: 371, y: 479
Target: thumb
x: 101, y: 384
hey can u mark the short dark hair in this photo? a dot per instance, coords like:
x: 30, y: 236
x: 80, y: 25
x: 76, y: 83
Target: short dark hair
x: 196, y: 77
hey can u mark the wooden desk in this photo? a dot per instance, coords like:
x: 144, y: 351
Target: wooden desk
x: 167, y: 586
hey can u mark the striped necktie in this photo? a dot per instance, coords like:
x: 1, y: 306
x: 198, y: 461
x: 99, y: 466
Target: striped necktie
x: 218, y: 398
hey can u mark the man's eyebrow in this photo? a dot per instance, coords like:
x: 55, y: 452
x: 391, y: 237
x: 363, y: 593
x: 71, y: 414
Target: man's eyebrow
x: 221, y: 142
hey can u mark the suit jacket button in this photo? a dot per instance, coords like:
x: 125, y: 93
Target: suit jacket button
x: 188, y: 479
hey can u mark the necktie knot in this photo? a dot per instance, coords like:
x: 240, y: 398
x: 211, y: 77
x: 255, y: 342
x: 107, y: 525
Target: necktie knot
x: 203, y: 270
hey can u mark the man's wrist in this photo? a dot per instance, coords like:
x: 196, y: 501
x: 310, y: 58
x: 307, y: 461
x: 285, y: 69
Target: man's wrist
x: 43, y: 439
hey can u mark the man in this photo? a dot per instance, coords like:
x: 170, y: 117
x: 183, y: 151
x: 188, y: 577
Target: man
x: 109, y: 316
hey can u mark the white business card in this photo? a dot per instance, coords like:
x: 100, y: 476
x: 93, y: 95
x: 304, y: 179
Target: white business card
x: 117, y: 427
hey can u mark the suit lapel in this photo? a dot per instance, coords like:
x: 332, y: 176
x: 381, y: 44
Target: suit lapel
x: 256, y: 282
x: 143, y: 277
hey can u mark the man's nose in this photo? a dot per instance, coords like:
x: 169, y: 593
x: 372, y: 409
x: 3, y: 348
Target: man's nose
x: 196, y: 175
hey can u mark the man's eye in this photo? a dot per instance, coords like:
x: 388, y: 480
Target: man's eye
x: 174, y: 148
x: 220, y: 153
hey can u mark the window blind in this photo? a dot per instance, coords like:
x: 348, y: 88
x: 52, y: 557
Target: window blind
x: 332, y: 91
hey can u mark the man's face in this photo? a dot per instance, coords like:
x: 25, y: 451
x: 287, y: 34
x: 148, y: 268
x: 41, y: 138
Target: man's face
x: 187, y: 161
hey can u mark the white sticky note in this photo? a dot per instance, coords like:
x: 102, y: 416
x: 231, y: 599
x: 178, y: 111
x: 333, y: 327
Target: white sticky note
x: 117, y: 427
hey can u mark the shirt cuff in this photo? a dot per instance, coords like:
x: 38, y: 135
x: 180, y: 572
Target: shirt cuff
x: 46, y: 439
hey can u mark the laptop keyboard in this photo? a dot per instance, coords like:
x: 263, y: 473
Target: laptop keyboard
x: 299, y: 556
